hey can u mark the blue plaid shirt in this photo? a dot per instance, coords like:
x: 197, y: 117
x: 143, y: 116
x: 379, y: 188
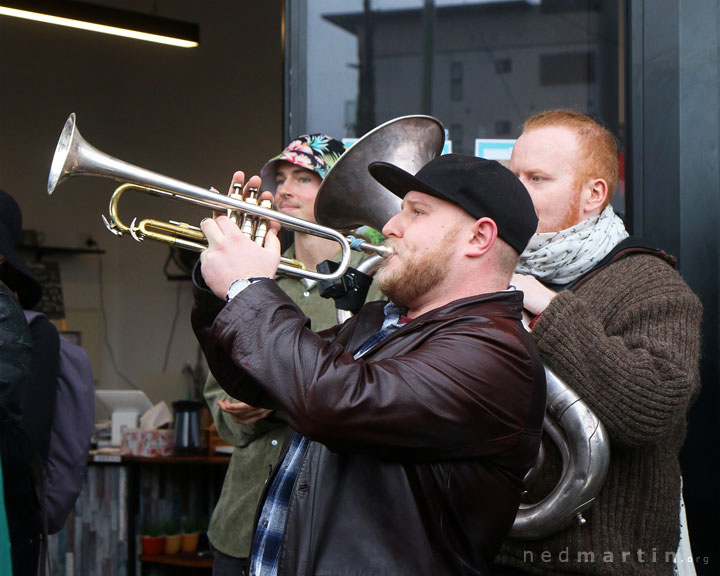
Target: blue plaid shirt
x: 271, y: 524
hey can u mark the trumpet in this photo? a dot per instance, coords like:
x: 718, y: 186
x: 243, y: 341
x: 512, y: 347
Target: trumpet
x: 74, y: 156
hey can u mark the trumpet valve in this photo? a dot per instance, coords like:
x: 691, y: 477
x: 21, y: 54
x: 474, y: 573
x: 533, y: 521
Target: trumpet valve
x: 236, y: 215
x: 249, y: 222
x: 261, y: 230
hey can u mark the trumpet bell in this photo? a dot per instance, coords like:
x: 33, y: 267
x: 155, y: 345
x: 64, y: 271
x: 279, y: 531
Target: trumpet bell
x: 409, y: 142
x: 58, y: 169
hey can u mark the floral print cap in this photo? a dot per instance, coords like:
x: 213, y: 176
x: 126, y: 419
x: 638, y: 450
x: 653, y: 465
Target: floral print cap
x: 316, y: 152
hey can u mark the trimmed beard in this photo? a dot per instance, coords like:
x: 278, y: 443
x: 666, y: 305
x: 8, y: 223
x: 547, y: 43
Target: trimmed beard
x: 418, y: 274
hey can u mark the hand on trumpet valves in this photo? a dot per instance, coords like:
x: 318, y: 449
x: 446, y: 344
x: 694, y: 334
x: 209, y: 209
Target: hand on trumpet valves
x: 232, y: 255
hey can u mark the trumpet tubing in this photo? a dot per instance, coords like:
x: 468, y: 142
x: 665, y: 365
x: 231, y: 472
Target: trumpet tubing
x: 181, y: 234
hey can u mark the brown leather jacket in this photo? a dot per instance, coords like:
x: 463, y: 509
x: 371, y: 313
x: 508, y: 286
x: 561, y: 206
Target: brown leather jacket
x: 418, y: 448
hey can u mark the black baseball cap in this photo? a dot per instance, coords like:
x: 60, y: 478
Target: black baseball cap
x: 481, y: 187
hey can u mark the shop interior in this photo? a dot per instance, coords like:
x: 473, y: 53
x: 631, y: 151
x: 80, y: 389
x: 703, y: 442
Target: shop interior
x: 255, y: 79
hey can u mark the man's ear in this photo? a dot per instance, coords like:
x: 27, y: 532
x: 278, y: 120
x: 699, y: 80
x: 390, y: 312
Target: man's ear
x: 483, y: 235
x: 595, y: 194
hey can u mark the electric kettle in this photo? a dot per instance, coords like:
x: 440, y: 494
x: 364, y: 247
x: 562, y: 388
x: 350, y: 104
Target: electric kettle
x: 187, y: 438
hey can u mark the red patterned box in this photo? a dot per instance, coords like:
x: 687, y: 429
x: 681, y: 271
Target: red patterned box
x: 137, y: 442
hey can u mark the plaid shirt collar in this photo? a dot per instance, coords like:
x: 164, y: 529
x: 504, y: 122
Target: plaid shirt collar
x: 392, y: 322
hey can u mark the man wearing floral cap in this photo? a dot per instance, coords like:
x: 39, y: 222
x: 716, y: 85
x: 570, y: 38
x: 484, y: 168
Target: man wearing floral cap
x: 294, y: 177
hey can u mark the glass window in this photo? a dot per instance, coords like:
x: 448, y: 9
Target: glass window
x: 480, y: 67
x: 456, y: 81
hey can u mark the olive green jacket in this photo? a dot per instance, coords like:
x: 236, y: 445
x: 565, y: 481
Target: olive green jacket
x: 257, y: 446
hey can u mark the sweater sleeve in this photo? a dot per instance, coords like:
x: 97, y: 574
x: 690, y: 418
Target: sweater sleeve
x: 628, y: 342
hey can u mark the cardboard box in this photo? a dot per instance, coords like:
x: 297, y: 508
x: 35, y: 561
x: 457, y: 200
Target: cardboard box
x: 149, y: 443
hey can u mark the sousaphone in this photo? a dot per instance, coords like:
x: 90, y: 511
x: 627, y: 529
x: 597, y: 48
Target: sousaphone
x: 349, y: 197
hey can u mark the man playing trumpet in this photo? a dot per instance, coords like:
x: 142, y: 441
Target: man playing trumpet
x: 415, y: 421
x: 294, y: 177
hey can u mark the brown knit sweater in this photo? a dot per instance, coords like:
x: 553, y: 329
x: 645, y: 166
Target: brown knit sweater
x: 628, y: 341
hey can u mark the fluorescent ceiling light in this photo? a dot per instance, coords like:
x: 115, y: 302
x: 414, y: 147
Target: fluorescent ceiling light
x: 106, y: 20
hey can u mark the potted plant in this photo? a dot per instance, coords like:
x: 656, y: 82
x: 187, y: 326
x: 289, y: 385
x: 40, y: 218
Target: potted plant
x: 190, y: 536
x: 173, y: 538
x: 152, y: 540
